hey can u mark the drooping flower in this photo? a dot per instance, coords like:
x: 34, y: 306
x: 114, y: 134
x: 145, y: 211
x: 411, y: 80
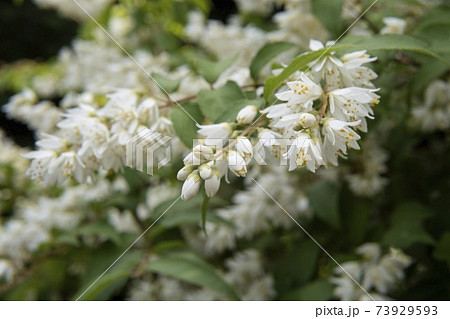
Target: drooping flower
x: 304, y: 151
x: 236, y: 163
x: 244, y: 148
x: 191, y: 186
x: 212, y: 184
x: 340, y: 135
x: 215, y: 134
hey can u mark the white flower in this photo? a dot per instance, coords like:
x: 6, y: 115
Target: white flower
x: 205, y: 171
x: 340, y: 135
x: 304, y: 151
x: 301, y: 94
x: 148, y: 111
x: 359, y: 75
x: 277, y: 110
x: 345, y: 72
x: 203, y: 152
x: 95, y: 137
x: 7, y: 270
x: 67, y: 164
x: 184, y: 172
x: 295, y: 121
x: 434, y: 112
x: 307, y: 120
x: 212, y: 184
x: 215, y: 134
x: 236, y: 163
x: 393, y: 25
x: 191, y: 186
x: 247, y: 114
x: 352, y: 104
x: 268, y: 137
x: 244, y: 147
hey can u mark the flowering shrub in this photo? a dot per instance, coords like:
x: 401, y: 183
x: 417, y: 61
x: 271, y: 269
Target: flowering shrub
x: 296, y: 150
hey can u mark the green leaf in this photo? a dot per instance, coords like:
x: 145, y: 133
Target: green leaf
x: 299, y: 63
x: 442, y: 249
x: 113, y: 279
x: 324, y: 199
x: 216, y: 104
x: 100, y: 229
x: 192, y: 269
x: 329, y: 12
x: 212, y: 70
x: 183, y: 124
x: 378, y: 42
x: 319, y: 290
x: 166, y: 84
x: 204, y: 208
x: 393, y: 42
x: 297, y: 266
x: 267, y: 53
x: 426, y: 74
x: 355, y: 216
x: 407, y: 226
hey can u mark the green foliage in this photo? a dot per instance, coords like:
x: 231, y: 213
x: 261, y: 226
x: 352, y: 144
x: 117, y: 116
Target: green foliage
x: 442, y: 250
x: 407, y: 226
x: 167, y: 85
x: 223, y: 104
x: 297, y: 267
x: 183, y: 121
x: 329, y: 12
x: 111, y: 281
x: 211, y: 70
x: 266, y: 54
x: 314, y: 291
x: 324, y: 200
x: 204, y: 211
x: 189, y: 268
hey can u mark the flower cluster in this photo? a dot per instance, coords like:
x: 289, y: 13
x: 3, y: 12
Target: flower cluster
x: 434, y: 112
x: 92, y: 138
x: 376, y: 273
x: 318, y: 120
x: 25, y: 107
x: 210, y: 161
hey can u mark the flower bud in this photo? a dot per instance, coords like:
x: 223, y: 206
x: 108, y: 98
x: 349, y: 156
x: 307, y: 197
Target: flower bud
x: 203, y: 152
x: 306, y: 120
x: 212, y: 185
x: 247, y: 114
x: 184, y: 172
x: 205, y: 171
x: 189, y: 159
x: 191, y: 186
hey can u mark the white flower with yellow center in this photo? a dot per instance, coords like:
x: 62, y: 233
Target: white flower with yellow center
x: 304, y: 151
